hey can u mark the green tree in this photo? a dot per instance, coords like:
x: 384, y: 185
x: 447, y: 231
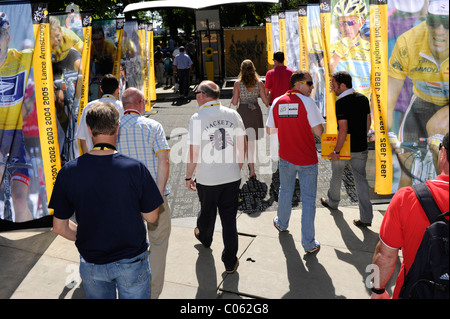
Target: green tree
x: 236, y: 15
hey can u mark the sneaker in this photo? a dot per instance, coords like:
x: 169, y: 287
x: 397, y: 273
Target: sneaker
x: 315, y: 248
x: 275, y: 224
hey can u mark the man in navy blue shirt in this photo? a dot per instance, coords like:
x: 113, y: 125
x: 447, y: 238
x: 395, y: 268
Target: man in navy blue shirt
x: 110, y: 194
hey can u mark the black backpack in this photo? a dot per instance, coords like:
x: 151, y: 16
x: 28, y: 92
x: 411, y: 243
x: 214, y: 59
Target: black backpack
x: 428, y: 276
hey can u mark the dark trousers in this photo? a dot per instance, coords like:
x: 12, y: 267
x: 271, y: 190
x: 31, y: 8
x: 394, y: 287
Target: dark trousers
x: 183, y: 78
x: 225, y: 198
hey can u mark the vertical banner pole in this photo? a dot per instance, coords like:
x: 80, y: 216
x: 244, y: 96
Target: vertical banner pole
x: 45, y: 98
x: 325, y: 17
x: 269, y: 43
x: 379, y: 82
x: 144, y: 60
x: 86, y: 20
x: 117, y: 58
x: 282, y: 26
x: 151, y: 62
x: 303, y: 32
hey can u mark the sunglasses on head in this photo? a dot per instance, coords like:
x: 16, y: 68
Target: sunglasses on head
x: 435, y: 21
x: 348, y: 23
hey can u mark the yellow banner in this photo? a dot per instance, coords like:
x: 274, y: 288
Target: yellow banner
x: 85, y: 59
x: 45, y: 98
x: 86, y: 18
x: 269, y: 44
x: 379, y: 82
x: 144, y: 61
x: 151, y: 63
x: 119, y: 32
x: 325, y: 17
x: 303, y: 32
x: 282, y: 27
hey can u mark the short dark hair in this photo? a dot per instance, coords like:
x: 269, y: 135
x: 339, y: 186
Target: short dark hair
x: 298, y: 75
x: 343, y: 77
x: 102, y: 118
x: 109, y: 84
x: 279, y: 56
x: 445, y: 144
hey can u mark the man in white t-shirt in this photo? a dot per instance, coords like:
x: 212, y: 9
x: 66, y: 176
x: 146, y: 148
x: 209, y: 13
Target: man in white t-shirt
x: 216, y: 155
x: 110, y: 89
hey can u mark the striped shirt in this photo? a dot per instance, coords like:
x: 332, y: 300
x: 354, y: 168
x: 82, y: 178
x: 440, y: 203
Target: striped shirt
x: 142, y: 138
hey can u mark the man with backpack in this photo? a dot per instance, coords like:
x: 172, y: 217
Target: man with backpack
x: 404, y: 225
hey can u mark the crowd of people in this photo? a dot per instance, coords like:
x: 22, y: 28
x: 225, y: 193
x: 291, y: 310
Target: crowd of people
x: 126, y: 155
x: 176, y: 64
x: 132, y: 158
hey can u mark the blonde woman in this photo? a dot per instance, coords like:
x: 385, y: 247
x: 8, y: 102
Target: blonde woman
x: 246, y: 91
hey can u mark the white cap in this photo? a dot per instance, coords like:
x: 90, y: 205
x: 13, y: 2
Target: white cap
x: 438, y: 7
x: 410, y: 6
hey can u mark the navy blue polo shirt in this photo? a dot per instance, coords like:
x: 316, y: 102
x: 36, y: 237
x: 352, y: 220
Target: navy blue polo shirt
x: 107, y: 194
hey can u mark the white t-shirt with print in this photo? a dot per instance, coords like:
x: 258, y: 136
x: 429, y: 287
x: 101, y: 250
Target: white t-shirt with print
x: 215, y: 129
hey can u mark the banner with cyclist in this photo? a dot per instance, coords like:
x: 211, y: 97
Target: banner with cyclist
x: 315, y: 54
x: 66, y: 40
x: 131, y: 55
x: 418, y: 87
x: 293, y: 38
x: 23, y: 195
x: 105, y: 55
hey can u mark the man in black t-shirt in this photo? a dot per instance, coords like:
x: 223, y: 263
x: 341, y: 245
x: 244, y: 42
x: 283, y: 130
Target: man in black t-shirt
x: 110, y: 194
x: 353, y: 117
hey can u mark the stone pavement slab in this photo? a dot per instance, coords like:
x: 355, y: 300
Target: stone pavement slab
x: 191, y: 265
x: 276, y: 266
x: 37, y: 264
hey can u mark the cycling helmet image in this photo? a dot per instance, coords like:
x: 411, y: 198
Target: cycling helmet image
x: 4, y: 22
x: 345, y: 8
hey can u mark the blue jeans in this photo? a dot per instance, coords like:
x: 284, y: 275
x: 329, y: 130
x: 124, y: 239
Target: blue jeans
x: 131, y: 278
x: 307, y: 176
x: 358, y: 162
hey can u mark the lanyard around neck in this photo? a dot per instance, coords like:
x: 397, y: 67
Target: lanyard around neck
x: 133, y: 111
x: 103, y: 146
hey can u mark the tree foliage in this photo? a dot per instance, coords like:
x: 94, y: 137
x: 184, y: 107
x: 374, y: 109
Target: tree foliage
x: 236, y: 15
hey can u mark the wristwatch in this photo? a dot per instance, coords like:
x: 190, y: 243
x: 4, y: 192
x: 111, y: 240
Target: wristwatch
x: 335, y: 152
x: 378, y: 291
